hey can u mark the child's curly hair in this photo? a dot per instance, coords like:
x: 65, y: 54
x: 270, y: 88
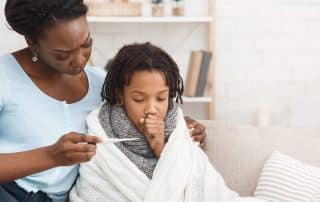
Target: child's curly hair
x: 140, y: 57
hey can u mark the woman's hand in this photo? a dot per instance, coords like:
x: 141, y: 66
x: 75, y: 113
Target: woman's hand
x: 199, y: 132
x: 73, y: 148
x: 153, y: 128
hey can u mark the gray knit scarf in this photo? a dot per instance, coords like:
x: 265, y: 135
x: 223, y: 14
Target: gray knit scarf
x: 116, y: 124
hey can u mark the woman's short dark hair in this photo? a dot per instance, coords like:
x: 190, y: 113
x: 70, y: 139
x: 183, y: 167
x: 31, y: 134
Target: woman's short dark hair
x: 140, y: 57
x: 31, y: 17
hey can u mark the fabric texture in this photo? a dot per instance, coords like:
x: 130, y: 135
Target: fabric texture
x: 116, y: 124
x: 183, y: 173
x: 316, y: 197
x: 3, y: 89
x: 286, y: 179
x: 11, y: 192
x: 30, y: 119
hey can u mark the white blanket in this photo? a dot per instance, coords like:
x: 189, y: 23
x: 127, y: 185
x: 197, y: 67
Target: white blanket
x: 183, y: 173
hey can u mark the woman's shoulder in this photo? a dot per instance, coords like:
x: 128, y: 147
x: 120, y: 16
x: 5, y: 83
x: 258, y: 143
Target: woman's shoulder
x: 96, y: 75
x: 9, y: 66
x: 5, y: 60
x: 5, y: 63
x: 95, y: 72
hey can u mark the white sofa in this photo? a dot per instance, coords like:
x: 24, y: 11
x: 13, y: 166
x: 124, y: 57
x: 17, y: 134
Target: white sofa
x: 239, y: 151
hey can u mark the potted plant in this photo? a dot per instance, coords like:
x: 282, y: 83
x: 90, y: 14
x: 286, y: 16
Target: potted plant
x: 177, y: 7
x: 157, y: 8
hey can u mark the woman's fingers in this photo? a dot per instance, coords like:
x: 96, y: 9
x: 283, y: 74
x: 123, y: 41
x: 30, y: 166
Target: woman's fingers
x: 81, y: 147
x: 199, y: 138
x: 203, y: 145
x: 77, y: 137
x: 81, y: 156
x: 190, y: 122
x: 199, y: 131
x: 74, y: 148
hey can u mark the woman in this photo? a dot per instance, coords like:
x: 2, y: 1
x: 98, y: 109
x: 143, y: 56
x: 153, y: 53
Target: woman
x: 45, y: 94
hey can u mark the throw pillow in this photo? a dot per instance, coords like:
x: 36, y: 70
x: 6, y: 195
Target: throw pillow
x: 286, y: 179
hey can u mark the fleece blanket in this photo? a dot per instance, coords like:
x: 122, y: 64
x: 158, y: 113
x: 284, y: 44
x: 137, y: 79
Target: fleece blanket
x: 183, y: 173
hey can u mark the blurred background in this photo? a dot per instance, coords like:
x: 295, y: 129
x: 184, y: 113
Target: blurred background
x: 263, y: 67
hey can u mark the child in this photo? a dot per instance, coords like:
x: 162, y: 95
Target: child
x: 141, y: 92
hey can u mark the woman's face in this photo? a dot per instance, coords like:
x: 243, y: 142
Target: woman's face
x: 147, y: 93
x: 66, y: 46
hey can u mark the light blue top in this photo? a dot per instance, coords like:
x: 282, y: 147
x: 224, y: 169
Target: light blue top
x: 30, y: 119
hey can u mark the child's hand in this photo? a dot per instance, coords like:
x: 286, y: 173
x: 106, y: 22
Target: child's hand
x: 153, y: 128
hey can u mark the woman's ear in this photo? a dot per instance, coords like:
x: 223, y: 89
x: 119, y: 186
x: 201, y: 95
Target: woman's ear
x: 33, y: 45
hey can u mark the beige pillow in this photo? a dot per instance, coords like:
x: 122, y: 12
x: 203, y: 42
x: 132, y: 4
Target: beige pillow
x: 284, y: 178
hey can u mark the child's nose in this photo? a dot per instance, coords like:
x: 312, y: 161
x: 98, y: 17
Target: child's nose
x: 151, y: 109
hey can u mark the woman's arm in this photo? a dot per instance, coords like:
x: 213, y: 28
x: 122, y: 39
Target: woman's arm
x: 66, y: 151
x: 21, y: 164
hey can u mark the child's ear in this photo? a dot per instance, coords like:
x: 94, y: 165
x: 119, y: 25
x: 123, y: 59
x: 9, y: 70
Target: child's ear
x: 119, y: 100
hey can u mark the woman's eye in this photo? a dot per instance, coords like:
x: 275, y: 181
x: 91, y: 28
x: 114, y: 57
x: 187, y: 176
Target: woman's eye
x: 88, y: 44
x: 62, y: 57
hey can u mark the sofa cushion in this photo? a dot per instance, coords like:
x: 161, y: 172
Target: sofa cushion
x: 239, y: 151
x: 286, y: 179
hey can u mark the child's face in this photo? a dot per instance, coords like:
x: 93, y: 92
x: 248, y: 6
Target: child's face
x: 146, y: 94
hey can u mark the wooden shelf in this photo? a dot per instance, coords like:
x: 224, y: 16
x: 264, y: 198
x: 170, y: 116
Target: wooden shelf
x: 208, y: 21
x: 196, y: 99
x: 205, y: 19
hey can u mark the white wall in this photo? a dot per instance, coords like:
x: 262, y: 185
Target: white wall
x: 267, y: 56
x: 176, y: 38
x: 9, y: 40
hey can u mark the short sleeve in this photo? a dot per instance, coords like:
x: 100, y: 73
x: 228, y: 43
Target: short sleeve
x: 3, y: 87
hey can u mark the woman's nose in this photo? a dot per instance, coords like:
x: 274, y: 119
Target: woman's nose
x: 79, y: 59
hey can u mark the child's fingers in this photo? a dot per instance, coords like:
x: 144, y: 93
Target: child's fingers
x: 157, y: 126
x: 152, y: 121
x: 152, y: 116
x: 142, y: 120
x: 153, y: 132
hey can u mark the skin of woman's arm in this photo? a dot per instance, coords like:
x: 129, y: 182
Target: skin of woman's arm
x: 21, y: 164
x: 66, y: 151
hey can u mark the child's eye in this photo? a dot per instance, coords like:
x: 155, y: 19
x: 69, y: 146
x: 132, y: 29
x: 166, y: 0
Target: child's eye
x: 138, y: 100
x: 162, y: 99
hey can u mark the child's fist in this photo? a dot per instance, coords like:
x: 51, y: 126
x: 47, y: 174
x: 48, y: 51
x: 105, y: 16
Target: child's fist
x: 153, y: 128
